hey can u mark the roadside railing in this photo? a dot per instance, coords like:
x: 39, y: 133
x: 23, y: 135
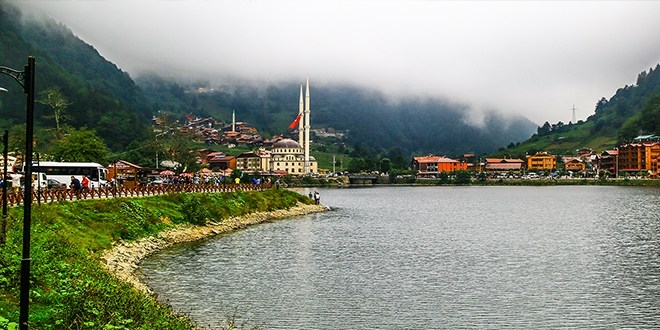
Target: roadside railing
x: 63, y: 194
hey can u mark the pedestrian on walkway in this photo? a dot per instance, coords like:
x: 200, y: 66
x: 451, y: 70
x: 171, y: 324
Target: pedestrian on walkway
x: 75, y: 185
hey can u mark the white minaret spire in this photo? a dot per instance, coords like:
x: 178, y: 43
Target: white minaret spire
x: 233, y: 120
x: 307, y: 127
x: 301, y: 131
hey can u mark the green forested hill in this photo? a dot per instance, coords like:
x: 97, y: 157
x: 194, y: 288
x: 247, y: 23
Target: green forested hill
x: 630, y: 112
x: 101, y: 96
x: 374, y: 123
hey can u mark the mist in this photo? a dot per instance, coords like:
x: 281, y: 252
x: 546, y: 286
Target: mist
x: 536, y: 59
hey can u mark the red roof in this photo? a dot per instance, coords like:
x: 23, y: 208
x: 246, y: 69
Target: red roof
x: 122, y: 164
x: 434, y: 159
x: 503, y: 160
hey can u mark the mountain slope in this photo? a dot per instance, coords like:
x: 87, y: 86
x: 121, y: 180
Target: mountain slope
x: 106, y: 99
x: 102, y: 96
x: 631, y: 111
x: 369, y: 117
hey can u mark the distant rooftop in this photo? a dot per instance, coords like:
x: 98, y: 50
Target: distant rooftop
x: 647, y: 138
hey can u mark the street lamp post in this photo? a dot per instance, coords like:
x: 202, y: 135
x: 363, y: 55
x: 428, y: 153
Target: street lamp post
x: 5, y: 138
x: 3, y: 234
x: 26, y: 79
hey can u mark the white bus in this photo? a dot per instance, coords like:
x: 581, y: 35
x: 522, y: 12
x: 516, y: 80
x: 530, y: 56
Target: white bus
x: 62, y: 172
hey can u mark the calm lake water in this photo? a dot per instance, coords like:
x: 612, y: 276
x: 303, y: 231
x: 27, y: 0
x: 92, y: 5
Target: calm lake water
x: 580, y: 257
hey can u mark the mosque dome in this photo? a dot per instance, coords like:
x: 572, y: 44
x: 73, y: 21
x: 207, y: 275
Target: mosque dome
x: 286, y: 144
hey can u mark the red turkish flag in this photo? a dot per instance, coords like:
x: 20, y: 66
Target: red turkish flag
x: 295, y: 122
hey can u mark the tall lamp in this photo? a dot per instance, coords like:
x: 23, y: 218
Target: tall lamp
x: 26, y: 79
x: 3, y: 234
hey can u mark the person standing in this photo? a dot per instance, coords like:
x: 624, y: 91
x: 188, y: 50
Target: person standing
x: 317, y: 197
x: 16, y: 182
x: 75, y: 185
x: 85, y: 183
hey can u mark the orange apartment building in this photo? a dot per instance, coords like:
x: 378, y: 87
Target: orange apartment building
x: 639, y: 156
x: 430, y: 166
x: 542, y: 161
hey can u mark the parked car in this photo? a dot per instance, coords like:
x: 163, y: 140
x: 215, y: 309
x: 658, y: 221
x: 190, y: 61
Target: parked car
x: 159, y: 182
x: 54, y: 184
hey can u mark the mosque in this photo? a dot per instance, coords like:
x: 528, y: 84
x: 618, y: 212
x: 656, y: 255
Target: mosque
x: 293, y: 156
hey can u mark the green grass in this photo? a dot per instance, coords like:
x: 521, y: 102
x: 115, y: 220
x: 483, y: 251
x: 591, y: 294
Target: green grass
x: 565, y: 142
x: 69, y: 287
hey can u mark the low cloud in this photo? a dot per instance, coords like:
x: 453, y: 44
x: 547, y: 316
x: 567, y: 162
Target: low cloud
x: 537, y: 59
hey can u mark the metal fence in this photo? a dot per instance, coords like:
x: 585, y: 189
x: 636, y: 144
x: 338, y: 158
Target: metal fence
x: 62, y: 194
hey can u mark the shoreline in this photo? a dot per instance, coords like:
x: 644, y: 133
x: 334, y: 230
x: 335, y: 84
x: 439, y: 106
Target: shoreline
x: 124, y: 258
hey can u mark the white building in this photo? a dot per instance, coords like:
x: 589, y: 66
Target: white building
x: 288, y: 155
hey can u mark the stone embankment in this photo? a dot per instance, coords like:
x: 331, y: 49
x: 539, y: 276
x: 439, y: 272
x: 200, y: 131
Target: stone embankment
x: 124, y: 258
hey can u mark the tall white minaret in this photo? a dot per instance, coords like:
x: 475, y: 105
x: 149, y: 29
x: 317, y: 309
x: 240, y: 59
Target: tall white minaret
x: 233, y: 120
x: 301, y: 121
x: 307, y: 127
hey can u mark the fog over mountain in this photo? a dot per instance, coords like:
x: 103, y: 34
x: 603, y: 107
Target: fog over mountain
x: 537, y: 59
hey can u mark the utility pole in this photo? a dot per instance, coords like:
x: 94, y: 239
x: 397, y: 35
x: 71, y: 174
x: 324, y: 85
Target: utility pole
x: 573, y: 121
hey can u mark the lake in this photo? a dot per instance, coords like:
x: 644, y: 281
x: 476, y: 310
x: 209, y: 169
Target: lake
x: 578, y: 257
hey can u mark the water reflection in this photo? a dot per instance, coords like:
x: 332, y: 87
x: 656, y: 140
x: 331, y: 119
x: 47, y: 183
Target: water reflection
x: 433, y: 258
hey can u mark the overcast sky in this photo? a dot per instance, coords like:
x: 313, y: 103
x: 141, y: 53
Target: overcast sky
x: 538, y: 59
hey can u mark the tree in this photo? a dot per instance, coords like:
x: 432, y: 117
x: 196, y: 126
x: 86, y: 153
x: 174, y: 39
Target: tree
x: 650, y: 115
x: 80, y: 145
x: 462, y: 177
x: 545, y: 129
x: 357, y: 165
x: 53, y: 98
x: 385, y: 165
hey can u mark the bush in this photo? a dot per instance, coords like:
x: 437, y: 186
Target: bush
x: 194, y: 208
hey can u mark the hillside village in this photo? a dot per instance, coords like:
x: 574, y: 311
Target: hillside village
x: 280, y: 155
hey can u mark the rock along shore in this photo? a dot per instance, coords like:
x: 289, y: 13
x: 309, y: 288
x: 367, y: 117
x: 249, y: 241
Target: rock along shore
x: 124, y: 258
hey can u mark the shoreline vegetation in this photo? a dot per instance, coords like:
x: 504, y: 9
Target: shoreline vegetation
x: 85, y: 254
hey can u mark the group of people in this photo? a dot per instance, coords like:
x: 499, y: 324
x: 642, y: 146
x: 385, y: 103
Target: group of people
x: 77, y: 185
x: 315, y: 196
x: 15, y: 180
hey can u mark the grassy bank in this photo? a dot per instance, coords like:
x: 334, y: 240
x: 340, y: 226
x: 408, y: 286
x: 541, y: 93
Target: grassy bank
x: 69, y: 287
